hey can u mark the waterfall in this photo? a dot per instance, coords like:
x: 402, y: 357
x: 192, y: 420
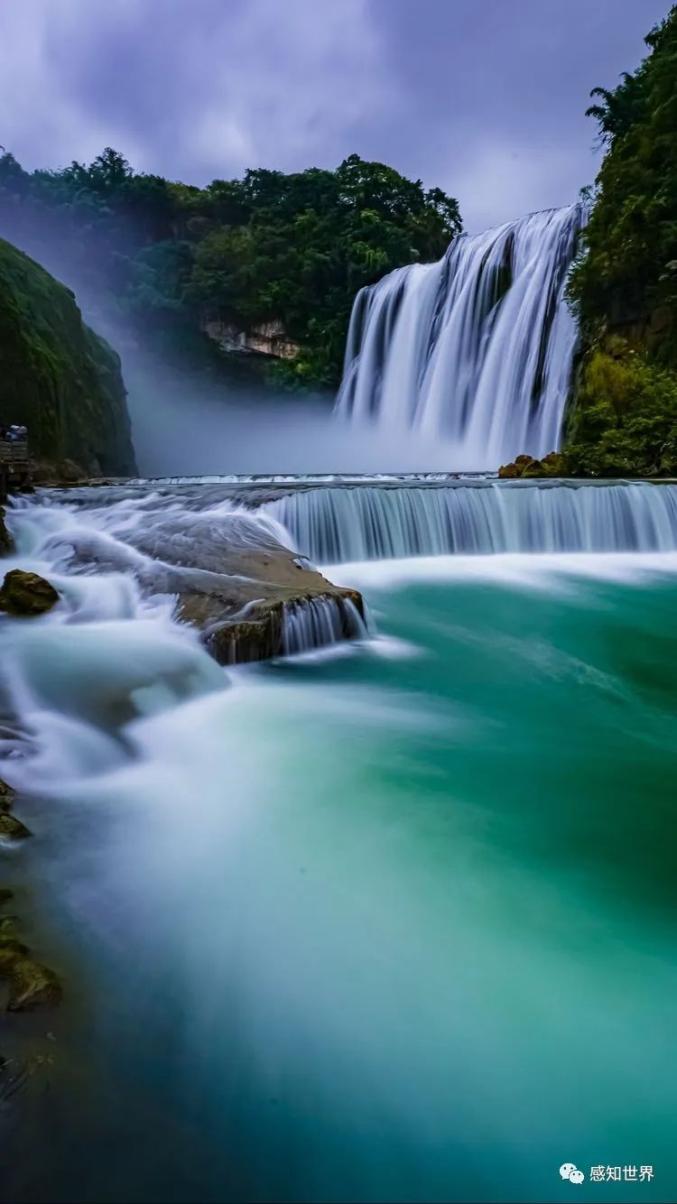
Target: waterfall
x: 377, y: 522
x: 475, y: 349
x: 317, y: 622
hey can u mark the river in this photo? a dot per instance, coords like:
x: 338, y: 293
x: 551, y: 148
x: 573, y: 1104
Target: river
x: 391, y: 920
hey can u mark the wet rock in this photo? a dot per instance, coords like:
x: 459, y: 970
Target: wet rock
x: 26, y: 594
x: 10, y: 951
x: 6, y: 796
x: 555, y: 464
x: 12, y: 828
x: 241, y: 614
x: 31, y: 985
x: 6, y: 541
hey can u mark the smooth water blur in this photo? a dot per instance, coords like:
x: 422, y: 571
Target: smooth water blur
x: 472, y: 353
x: 393, y: 925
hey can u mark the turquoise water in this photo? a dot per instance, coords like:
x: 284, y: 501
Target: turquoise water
x: 392, y: 923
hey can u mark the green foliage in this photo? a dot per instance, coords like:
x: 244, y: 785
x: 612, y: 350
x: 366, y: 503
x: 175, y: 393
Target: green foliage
x: 625, y: 420
x: 56, y: 375
x: 627, y: 275
x: 624, y: 284
x: 292, y: 248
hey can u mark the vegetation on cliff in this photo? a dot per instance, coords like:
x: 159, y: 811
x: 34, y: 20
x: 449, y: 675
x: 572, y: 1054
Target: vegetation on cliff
x: 271, y: 247
x: 56, y: 376
x: 624, y: 286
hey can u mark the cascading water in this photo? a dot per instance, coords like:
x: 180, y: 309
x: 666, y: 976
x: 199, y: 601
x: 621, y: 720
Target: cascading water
x: 318, y: 622
x: 377, y: 522
x: 311, y: 918
x: 475, y: 349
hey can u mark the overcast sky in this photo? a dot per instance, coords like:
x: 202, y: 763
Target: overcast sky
x: 485, y: 98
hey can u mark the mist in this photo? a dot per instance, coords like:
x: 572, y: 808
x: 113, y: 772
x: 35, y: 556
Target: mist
x: 182, y: 427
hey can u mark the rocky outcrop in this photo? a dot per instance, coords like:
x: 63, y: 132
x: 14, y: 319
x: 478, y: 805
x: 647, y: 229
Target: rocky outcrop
x: 30, y: 984
x: 57, y: 377
x: 555, y: 464
x: 242, y: 617
x: 6, y: 541
x: 268, y: 338
x: 26, y: 594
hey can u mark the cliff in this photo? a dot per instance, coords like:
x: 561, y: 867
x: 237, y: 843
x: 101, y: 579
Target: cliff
x: 57, y: 376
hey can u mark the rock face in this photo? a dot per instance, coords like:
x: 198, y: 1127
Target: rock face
x: 270, y: 338
x: 57, y: 377
x: 555, y: 464
x: 6, y: 541
x: 26, y: 594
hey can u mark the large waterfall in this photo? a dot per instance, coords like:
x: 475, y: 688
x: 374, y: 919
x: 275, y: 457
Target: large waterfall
x: 475, y: 349
x: 374, y: 522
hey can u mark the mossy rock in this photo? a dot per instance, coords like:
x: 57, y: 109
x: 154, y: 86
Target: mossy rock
x: 26, y: 594
x: 12, y: 828
x: 57, y: 377
x: 6, y: 796
x: 31, y: 985
x: 555, y: 464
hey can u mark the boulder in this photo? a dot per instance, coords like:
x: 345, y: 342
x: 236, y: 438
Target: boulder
x: 31, y: 985
x: 26, y: 594
x: 555, y: 464
x: 6, y: 796
x: 11, y: 827
x: 239, y: 603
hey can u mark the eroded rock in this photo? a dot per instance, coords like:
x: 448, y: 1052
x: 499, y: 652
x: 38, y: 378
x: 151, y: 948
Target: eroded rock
x: 26, y: 594
x: 240, y: 609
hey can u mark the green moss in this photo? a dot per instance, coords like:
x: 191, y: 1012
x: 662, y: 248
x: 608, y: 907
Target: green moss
x: 56, y: 376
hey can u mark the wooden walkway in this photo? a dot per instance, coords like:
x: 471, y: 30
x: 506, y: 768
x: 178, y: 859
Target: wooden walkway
x: 14, y: 467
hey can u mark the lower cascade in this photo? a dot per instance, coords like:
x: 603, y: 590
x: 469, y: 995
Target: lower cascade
x: 476, y: 348
x: 318, y: 622
x: 375, y: 522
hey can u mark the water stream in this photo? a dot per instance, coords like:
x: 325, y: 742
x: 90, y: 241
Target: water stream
x: 392, y: 921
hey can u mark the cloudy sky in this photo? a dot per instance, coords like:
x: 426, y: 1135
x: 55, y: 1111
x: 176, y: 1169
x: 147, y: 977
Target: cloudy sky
x: 484, y: 98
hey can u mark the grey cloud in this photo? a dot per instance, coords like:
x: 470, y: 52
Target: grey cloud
x: 485, y: 99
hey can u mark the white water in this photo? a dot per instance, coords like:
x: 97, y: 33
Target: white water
x: 307, y: 972
x: 475, y: 349
x: 377, y: 522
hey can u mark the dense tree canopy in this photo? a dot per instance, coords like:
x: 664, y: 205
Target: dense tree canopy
x: 293, y: 248
x: 624, y: 286
x: 630, y: 270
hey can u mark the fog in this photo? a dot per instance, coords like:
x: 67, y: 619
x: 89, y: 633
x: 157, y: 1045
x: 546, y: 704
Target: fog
x: 187, y: 423
x: 184, y: 427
